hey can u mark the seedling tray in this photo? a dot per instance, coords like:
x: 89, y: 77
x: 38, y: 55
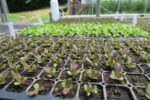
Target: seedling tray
x: 131, y: 88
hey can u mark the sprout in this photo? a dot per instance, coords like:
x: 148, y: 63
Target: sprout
x: 110, y: 63
x: 67, y: 86
x: 130, y: 63
x: 89, y: 89
x: 19, y: 80
x: 73, y: 70
x: 144, y: 56
x: 148, y: 64
x: 92, y: 61
x: 92, y: 74
x: 116, y: 73
x: 2, y: 79
x: 50, y: 71
x: 25, y: 58
x: 29, y: 68
x: 38, y: 87
x: 148, y: 91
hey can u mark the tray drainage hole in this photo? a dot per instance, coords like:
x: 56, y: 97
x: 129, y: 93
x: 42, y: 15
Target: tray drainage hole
x: 123, y: 72
x: 36, y: 78
x: 79, y: 81
x: 57, y: 79
x: 129, y: 85
x: 103, y: 83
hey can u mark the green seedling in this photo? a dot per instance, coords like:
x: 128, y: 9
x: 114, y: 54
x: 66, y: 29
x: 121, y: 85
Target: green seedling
x: 51, y: 72
x: 38, y: 87
x: 2, y: 79
x: 89, y: 89
x: 67, y: 86
x: 29, y: 68
x: 19, y: 80
x: 93, y: 74
x: 92, y: 61
x: 130, y: 63
x: 73, y: 70
x: 148, y: 91
x: 110, y: 63
x: 116, y: 73
x: 148, y: 64
x: 144, y: 56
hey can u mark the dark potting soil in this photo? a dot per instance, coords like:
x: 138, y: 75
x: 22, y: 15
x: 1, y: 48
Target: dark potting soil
x: 145, y: 68
x: 140, y: 93
x: 32, y: 74
x: 137, y: 80
x: 58, y: 91
x: 95, y: 96
x: 87, y: 66
x: 118, y: 93
x: 19, y: 88
x: 3, y: 66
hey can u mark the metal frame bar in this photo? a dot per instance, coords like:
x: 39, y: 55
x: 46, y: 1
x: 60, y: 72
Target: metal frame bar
x: 4, y: 10
x: 107, y: 15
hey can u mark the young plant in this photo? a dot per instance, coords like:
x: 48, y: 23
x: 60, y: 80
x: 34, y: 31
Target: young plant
x: 25, y: 58
x: 148, y: 91
x: 116, y: 73
x: 92, y: 61
x: 130, y: 63
x: 38, y: 87
x: 110, y: 63
x: 19, y: 80
x: 39, y: 59
x: 92, y: 74
x: 148, y: 64
x: 50, y: 71
x: 73, y: 70
x: 29, y: 68
x: 3, y: 66
x: 89, y: 89
x: 13, y: 66
x: 2, y: 79
x: 67, y: 86
x: 144, y: 56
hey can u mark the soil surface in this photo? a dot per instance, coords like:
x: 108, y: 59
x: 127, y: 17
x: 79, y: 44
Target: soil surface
x: 19, y: 88
x: 145, y: 68
x: 137, y: 80
x: 118, y: 93
x: 32, y: 74
x: 140, y: 93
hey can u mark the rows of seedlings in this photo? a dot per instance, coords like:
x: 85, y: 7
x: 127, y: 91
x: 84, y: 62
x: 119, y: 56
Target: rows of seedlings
x: 143, y: 22
x: 86, y: 30
x: 75, y: 68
